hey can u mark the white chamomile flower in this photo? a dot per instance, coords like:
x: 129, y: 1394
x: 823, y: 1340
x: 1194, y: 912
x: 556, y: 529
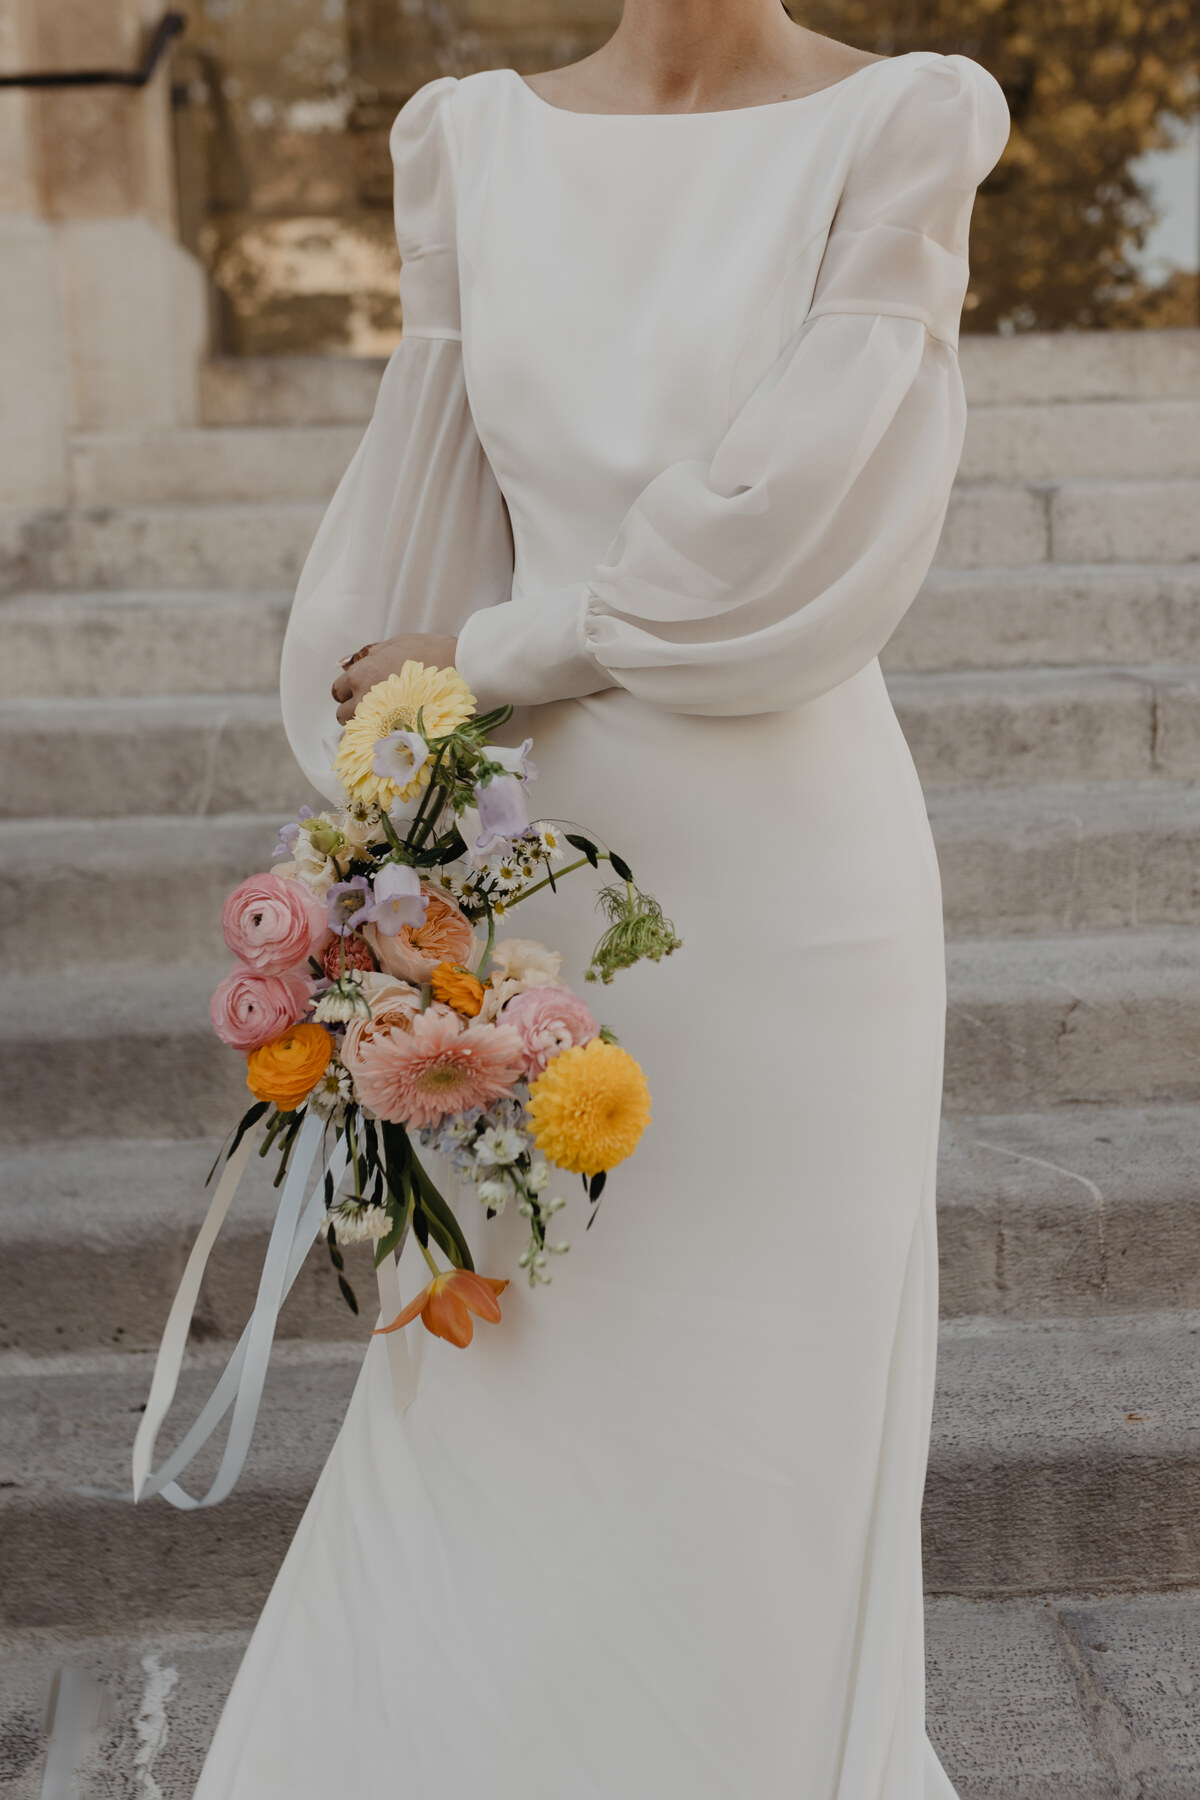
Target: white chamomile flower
x: 342, y: 1001
x: 333, y: 1093
x: 356, y: 1224
x: 551, y: 842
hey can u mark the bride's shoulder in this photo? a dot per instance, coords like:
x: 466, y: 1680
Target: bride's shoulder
x: 932, y: 109
x: 923, y: 86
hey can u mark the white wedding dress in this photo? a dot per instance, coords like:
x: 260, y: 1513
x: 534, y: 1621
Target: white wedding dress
x: 670, y: 438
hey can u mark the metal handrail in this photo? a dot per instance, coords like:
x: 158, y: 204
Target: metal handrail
x: 164, y: 34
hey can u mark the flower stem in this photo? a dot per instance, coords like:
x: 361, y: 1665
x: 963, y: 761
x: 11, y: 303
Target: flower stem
x: 546, y: 880
x: 428, y: 1255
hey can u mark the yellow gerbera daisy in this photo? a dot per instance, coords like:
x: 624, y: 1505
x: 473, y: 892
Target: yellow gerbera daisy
x: 589, y: 1107
x: 394, y: 705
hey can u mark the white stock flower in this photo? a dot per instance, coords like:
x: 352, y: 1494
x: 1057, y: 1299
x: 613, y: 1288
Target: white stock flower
x: 497, y: 1147
x: 494, y: 1193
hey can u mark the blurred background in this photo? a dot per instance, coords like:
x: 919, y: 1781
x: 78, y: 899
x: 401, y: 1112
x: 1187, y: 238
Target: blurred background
x: 197, y: 284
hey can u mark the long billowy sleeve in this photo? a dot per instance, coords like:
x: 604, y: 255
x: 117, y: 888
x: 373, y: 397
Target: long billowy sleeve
x: 779, y: 569
x: 417, y: 535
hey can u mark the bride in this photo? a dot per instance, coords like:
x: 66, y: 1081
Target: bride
x: 663, y: 457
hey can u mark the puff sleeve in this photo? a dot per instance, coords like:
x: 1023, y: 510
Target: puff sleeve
x: 417, y: 535
x: 773, y: 573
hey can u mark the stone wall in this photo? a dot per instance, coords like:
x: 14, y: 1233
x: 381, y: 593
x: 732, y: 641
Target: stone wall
x: 283, y: 111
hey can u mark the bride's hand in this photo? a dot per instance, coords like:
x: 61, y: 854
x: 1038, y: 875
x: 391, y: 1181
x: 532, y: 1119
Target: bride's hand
x: 375, y: 662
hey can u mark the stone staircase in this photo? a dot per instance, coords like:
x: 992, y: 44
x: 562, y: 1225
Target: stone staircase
x: 1048, y: 679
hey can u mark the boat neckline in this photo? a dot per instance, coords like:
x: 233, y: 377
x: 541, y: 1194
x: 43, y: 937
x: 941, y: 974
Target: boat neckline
x: 721, y: 112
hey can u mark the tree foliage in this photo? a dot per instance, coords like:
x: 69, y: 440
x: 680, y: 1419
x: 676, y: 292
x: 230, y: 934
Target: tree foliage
x: 1090, y: 84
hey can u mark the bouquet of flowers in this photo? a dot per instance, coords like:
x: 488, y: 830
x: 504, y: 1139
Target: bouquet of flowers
x: 384, y: 1013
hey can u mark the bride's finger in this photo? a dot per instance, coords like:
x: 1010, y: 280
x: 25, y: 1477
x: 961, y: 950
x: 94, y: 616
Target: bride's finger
x: 342, y: 688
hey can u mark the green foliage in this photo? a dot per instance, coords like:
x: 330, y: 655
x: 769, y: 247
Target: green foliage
x: 1090, y: 84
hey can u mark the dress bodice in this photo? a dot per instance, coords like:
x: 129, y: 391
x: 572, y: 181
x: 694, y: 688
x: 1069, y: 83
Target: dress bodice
x: 677, y: 407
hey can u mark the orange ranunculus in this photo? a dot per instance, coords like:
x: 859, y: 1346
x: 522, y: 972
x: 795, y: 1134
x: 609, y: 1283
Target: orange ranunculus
x: 447, y: 1303
x: 286, y: 1070
x: 458, y: 988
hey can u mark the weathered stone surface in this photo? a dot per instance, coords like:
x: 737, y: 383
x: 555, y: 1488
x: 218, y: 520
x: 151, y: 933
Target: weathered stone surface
x: 94, y: 1236
x: 131, y: 1050
x: 94, y: 646
x: 186, y: 753
x: 1092, y: 856
x: 1043, y: 367
x: 1037, y: 1022
x: 1012, y: 618
x: 1079, y: 1211
x: 216, y: 546
x: 1015, y: 726
x: 1065, y: 1455
x: 1061, y: 442
x: 241, y: 465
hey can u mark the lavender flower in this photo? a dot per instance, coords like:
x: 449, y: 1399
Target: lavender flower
x: 288, y: 834
x: 503, y: 813
x: 349, y: 904
x: 398, y: 899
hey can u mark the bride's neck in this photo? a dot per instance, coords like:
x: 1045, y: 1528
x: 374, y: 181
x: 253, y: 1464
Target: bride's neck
x: 687, y: 55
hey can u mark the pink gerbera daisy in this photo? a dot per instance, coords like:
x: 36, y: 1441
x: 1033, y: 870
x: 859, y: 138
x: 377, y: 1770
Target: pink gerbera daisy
x: 419, y: 1077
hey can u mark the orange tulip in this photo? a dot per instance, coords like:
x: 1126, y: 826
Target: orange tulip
x: 447, y: 1303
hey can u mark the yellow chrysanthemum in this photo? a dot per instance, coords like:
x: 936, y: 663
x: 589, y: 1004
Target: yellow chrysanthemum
x: 394, y: 705
x: 590, y: 1107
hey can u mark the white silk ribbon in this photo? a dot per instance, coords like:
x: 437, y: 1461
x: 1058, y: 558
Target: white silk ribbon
x: 297, y: 1223
x: 400, y: 1361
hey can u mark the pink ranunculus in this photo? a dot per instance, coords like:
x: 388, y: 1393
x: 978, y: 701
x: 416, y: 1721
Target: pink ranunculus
x: 249, y: 1009
x: 271, y: 924
x: 549, y: 1020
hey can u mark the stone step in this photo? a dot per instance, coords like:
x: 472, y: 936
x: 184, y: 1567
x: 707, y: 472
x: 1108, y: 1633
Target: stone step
x: 154, y: 547
x: 1072, y: 439
x: 992, y: 525
x: 180, y: 754
x: 1047, y: 367
x: 87, y: 872
x: 247, y: 465
x: 1080, y: 1212
x: 1036, y: 1022
x: 251, y: 463
x: 1014, y: 727
x: 122, y: 1051
x: 289, y: 390
x: 1062, y: 1698
x: 226, y: 545
x: 1050, y: 615
x: 199, y: 753
x: 94, y: 1236
x: 98, y: 645
x: 1038, y: 368
x: 1090, y: 856
x: 1087, y: 856
x: 1033, y: 1022
x: 1065, y: 1457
